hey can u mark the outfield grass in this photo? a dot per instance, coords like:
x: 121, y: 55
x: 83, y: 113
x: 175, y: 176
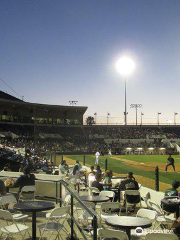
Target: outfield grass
x: 119, y: 165
x: 149, y: 158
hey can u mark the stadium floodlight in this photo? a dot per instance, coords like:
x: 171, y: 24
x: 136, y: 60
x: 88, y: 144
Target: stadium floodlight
x: 125, y: 66
x: 128, y: 148
x: 140, y: 148
x: 159, y: 113
x: 72, y: 103
x: 151, y: 148
x: 175, y: 113
x: 136, y: 106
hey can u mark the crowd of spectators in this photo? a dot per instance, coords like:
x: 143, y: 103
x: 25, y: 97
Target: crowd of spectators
x: 87, y: 139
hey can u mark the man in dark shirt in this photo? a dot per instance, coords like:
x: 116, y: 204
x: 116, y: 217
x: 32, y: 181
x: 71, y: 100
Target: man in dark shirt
x: 96, y: 183
x: 129, y: 183
x: 170, y: 162
x: 27, y: 179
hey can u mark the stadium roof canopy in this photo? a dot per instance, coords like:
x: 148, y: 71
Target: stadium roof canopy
x: 13, y: 105
x: 6, y: 96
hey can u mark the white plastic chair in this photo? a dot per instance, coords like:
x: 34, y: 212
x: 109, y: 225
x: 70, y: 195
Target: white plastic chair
x: 146, y: 200
x: 53, y: 224
x: 7, y: 199
x: 67, y: 200
x: 161, y: 236
x: 10, y: 199
x: 106, y: 193
x: 12, y: 227
x: 117, y: 234
x: 82, y: 214
x: 145, y: 213
x: 83, y: 217
x: 161, y: 218
x: 132, y: 198
x: 109, y: 194
x: 108, y: 210
x: 27, y: 193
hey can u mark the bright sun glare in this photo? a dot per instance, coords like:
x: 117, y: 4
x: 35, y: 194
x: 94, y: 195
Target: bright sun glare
x: 125, y: 66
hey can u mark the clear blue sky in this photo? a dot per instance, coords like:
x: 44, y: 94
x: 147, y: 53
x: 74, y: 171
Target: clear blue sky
x: 53, y: 51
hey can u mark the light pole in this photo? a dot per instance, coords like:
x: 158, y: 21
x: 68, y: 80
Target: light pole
x: 125, y: 67
x: 136, y: 106
x: 175, y: 113
x: 108, y: 114
x: 95, y: 114
x: 159, y: 113
x: 142, y: 114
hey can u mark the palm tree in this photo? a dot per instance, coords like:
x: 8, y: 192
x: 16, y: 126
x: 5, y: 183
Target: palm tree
x: 90, y: 120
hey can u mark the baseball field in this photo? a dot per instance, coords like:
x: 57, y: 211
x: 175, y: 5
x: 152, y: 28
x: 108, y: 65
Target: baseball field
x: 143, y: 167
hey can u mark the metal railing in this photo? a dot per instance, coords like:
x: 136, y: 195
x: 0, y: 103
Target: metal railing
x: 73, y: 220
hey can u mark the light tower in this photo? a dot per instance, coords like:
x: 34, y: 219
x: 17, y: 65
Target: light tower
x: 136, y: 106
x: 125, y: 67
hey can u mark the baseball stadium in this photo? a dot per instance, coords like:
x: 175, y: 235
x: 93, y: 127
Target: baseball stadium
x: 89, y: 120
x: 45, y: 138
x: 59, y: 131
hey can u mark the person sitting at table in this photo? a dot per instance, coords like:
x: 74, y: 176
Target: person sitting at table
x: 172, y: 192
x: 27, y: 179
x: 76, y: 171
x: 97, y: 183
x: 78, y: 164
x: 129, y: 184
x: 2, y: 188
x: 64, y: 168
x: 107, y: 183
x: 98, y: 170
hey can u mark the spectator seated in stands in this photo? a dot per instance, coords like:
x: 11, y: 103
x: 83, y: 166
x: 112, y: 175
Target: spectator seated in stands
x: 172, y: 192
x: 98, y: 170
x: 76, y: 171
x: 97, y: 183
x: 64, y: 168
x: 78, y: 164
x: 129, y: 183
x: 107, y: 183
x: 2, y: 188
x: 27, y: 179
